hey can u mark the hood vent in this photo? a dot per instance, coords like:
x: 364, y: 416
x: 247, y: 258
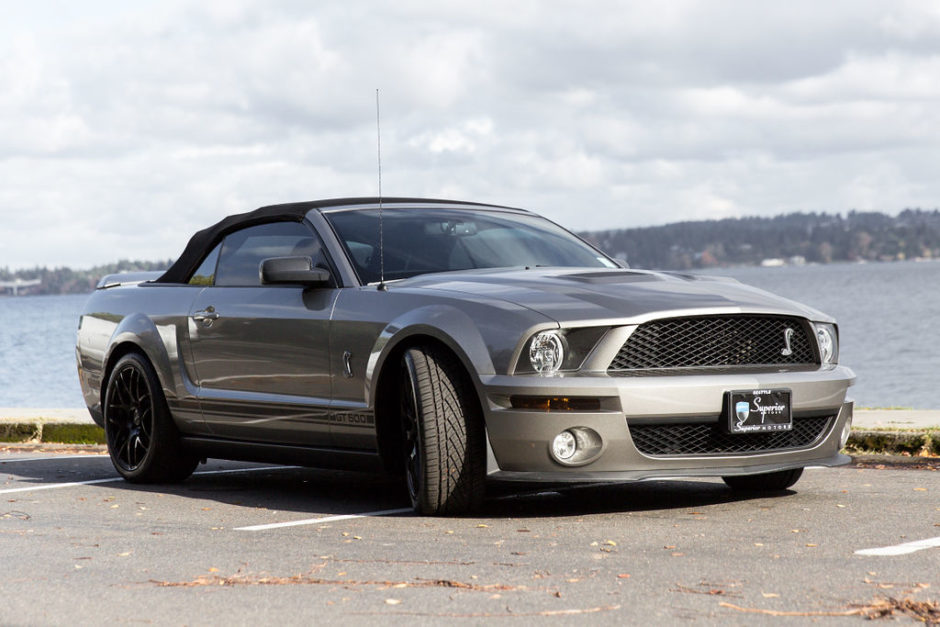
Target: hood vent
x: 611, y: 277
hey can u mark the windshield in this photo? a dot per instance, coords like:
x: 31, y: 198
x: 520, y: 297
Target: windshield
x: 418, y: 241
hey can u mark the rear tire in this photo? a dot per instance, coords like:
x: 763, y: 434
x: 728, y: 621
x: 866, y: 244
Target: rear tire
x: 442, y: 432
x: 767, y: 482
x: 142, y: 439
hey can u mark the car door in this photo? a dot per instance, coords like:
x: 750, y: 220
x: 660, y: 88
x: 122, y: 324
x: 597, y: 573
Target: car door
x: 261, y: 353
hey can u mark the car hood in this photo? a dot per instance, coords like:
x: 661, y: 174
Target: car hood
x: 573, y: 296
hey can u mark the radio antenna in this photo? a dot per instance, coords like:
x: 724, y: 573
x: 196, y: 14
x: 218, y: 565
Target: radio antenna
x: 378, y: 133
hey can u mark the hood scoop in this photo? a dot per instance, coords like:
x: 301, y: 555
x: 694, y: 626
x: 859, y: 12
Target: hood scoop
x: 611, y: 277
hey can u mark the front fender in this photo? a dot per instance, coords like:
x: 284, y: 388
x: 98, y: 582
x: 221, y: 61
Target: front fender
x: 445, y: 323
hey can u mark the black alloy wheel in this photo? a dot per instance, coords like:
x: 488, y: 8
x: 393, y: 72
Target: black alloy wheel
x: 130, y: 417
x: 410, y: 430
x: 142, y: 440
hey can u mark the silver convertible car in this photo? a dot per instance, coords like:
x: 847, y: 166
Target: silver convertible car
x: 453, y: 343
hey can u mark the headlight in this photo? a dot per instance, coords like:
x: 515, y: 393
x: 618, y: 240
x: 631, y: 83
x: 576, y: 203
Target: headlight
x: 547, y: 352
x: 827, y: 338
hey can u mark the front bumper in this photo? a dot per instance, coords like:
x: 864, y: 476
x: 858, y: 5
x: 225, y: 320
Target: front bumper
x: 519, y: 439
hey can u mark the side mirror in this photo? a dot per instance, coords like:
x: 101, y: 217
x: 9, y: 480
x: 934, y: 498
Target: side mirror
x: 297, y: 270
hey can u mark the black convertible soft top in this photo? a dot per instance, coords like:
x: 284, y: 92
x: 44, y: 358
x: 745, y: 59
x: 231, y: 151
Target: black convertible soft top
x: 205, y: 240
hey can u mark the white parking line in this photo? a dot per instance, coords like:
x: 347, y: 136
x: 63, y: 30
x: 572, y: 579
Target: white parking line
x: 324, y: 519
x: 402, y: 510
x: 902, y: 549
x: 8, y: 460
x: 55, y: 486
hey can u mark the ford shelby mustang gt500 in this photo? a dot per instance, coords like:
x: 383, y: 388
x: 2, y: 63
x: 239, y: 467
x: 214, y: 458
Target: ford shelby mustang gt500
x: 453, y: 342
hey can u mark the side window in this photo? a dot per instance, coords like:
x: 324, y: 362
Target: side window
x: 243, y: 251
x: 205, y: 273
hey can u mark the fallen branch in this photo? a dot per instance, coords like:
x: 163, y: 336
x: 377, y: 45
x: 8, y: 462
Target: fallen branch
x: 924, y: 611
x: 416, y: 562
x: 757, y: 610
x: 508, y: 614
x: 715, y: 592
x: 255, y: 580
x: 16, y: 514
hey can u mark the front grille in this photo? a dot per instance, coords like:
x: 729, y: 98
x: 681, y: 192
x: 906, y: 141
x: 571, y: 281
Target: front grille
x: 722, y: 342
x: 709, y: 438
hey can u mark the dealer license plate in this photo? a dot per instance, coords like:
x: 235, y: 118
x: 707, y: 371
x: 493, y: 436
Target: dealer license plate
x: 758, y: 411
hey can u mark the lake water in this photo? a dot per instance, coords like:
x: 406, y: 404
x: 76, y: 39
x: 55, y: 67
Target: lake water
x: 37, y: 351
x: 887, y: 313
x: 889, y: 328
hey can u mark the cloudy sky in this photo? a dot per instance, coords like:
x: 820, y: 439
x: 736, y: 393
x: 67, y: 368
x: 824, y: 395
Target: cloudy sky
x: 125, y: 126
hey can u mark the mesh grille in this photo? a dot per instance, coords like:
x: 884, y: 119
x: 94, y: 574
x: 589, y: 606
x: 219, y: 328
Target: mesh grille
x: 716, y: 342
x: 708, y: 438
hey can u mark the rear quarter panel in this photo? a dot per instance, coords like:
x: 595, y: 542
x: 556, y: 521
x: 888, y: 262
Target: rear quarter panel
x: 150, y: 319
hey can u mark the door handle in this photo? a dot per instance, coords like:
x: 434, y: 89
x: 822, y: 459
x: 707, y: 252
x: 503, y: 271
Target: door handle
x: 207, y: 316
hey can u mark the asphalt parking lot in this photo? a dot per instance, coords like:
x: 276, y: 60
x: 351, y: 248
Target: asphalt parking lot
x: 245, y: 544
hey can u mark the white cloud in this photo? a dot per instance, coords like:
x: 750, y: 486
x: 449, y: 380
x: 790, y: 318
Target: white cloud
x: 125, y: 127
x: 464, y: 138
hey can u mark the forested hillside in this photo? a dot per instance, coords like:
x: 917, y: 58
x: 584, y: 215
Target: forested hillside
x: 791, y: 238
x: 809, y: 237
x: 68, y: 281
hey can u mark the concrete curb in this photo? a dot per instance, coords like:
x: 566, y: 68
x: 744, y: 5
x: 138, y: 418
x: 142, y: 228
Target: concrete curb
x: 41, y: 426
x: 886, y: 432
x: 914, y: 443
x: 40, y: 432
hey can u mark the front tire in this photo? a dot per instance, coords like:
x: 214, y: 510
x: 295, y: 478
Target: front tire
x: 442, y: 431
x: 142, y: 440
x: 767, y: 482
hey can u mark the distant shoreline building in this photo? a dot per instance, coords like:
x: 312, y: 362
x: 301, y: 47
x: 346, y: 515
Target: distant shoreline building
x: 776, y: 262
x: 12, y: 288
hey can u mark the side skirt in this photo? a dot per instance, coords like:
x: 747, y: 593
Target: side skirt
x: 338, y: 459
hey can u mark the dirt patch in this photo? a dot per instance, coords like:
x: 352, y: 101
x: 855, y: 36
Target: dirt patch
x: 54, y: 449
x: 924, y: 611
x: 896, y: 462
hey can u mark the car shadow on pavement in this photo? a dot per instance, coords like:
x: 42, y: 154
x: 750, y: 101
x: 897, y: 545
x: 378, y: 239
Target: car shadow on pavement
x: 621, y: 497
x: 332, y: 492
x: 290, y: 489
x: 335, y: 492
x: 283, y: 488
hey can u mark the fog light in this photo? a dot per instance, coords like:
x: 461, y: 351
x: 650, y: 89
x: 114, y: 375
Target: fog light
x: 576, y: 446
x: 564, y: 446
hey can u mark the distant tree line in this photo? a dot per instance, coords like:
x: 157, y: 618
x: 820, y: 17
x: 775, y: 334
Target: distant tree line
x: 793, y: 238
x: 68, y: 281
